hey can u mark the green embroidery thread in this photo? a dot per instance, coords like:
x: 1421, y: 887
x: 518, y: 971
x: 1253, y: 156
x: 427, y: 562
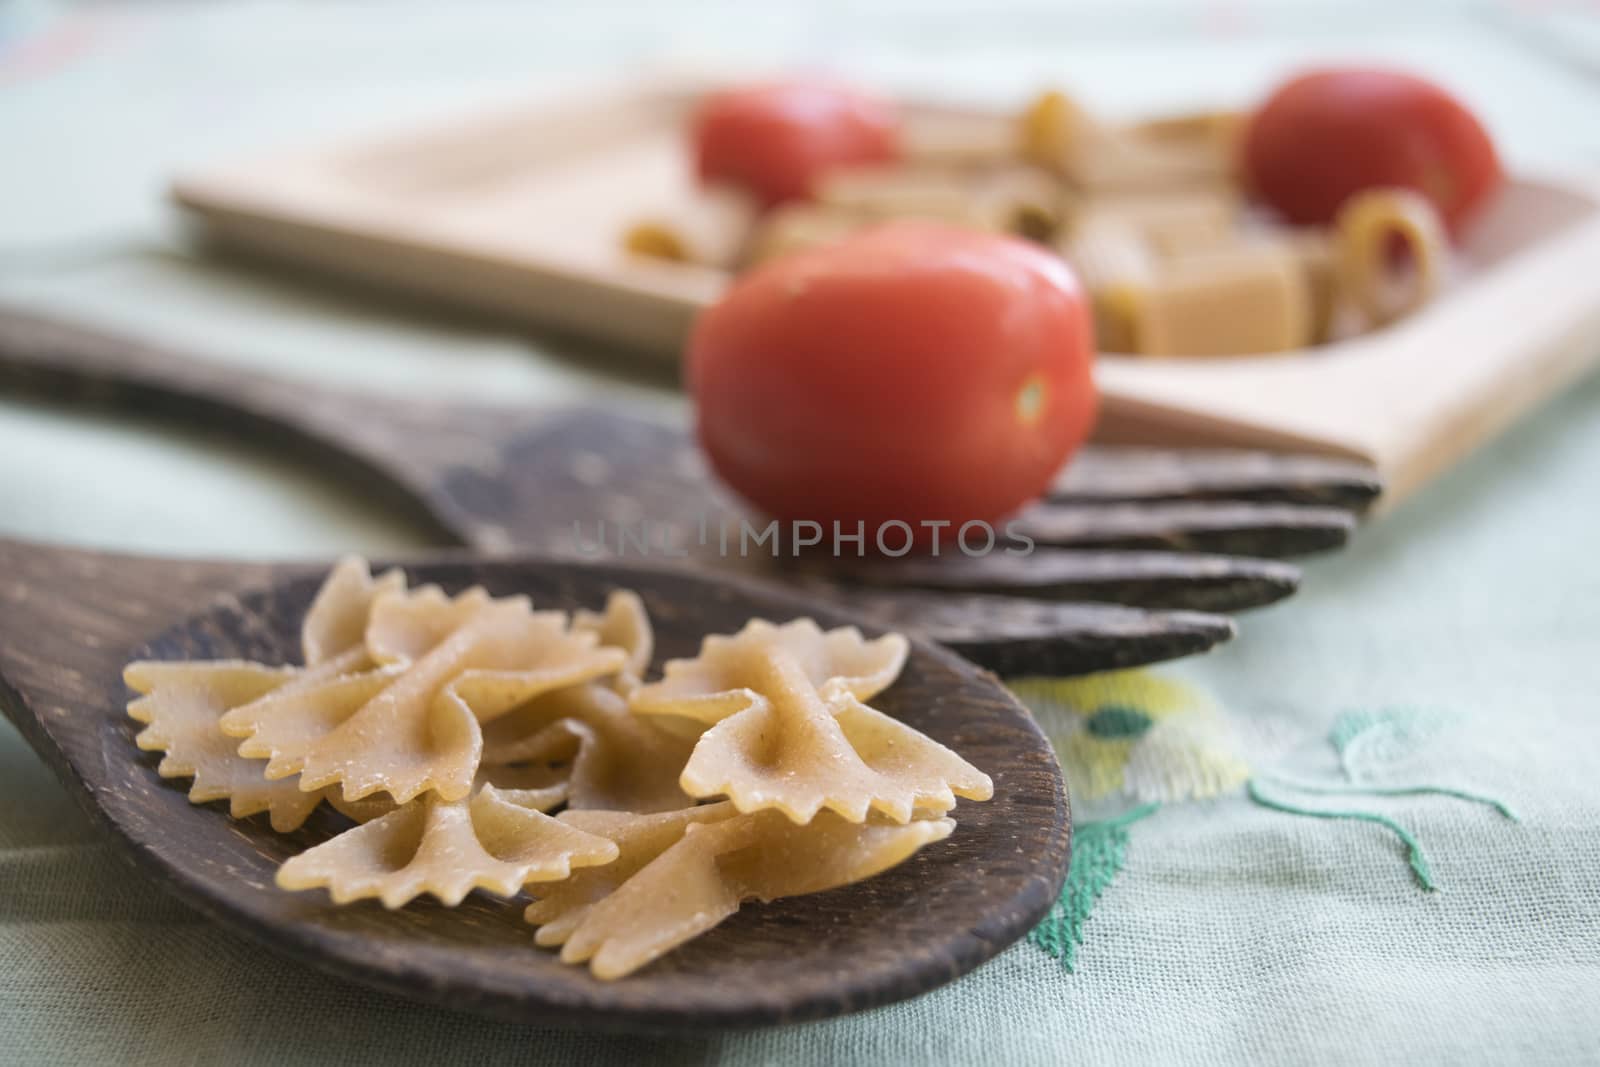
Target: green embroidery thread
x: 1414, y: 856
x: 1099, y: 850
x: 1380, y: 736
x: 1302, y: 786
x: 1118, y: 720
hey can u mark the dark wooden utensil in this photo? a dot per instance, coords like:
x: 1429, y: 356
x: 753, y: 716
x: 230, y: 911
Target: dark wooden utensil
x: 70, y: 620
x: 1129, y: 540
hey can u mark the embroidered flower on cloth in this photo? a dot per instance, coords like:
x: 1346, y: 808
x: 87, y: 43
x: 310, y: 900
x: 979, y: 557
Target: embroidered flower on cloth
x: 1135, y: 734
x: 1132, y: 741
x: 1129, y: 741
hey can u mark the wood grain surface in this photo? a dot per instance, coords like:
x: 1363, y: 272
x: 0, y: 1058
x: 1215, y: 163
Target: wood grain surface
x: 69, y: 621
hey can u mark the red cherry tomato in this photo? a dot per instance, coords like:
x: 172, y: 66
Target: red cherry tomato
x: 774, y: 140
x: 914, y: 372
x: 1328, y: 134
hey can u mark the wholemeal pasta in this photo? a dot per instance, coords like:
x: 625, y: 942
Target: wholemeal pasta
x: 446, y: 849
x: 617, y: 760
x: 451, y: 731
x: 716, y: 864
x: 1363, y: 230
x: 413, y: 724
x: 791, y: 732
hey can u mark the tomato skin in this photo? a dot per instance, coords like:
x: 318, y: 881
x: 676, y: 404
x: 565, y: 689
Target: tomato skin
x: 915, y: 372
x: 1327, y: 134
x: 775, y: 139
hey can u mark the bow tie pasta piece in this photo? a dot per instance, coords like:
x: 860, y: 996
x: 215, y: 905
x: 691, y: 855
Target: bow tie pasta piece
x: 623, y: 624
x: 799, y: 748
x: 405, y: 626
x: 562, y: 906
x: 702, y: 878
x: 619, y: 761
x: 729, y: 670
x: 537, y: 786
x: 336, y: 623
x: 795, y: 754
x: 933, y: 774
x: 281, y: 726
x: 180, y: 708
x: 446, y: 849
x: 413, y: 725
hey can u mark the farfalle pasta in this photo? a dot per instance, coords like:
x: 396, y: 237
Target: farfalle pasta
x: 619, y: 761
x: 412, y: 725
x: 715, y: 865
x: 791, y: 732
x: 446, y: 848
x: 180, y: 708
x: 452, y: 731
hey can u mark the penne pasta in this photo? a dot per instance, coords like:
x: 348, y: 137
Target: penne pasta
x: 1123, y: 162
x: 1117, y: 266
x: 905, y: 193
x: 1172, y: 221
x: 795, y: 227
x: 1367, y: 275
x: 957, y: 141
x: 710, y: 230
x: 1055, y: 133
x: 1153, y: 215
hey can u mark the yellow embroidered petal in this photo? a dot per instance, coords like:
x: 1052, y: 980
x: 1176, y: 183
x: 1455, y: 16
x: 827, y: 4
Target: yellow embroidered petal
x: 1178, y: 760
x: 446, y: 849
x: 620, y: 761
x: 1138, y: 733
x: 639, y: 839
x: 702, y: 878
x: 182, y: 705
x: 1095, y: 764
x: 337, y: 619
x: 718, y: 682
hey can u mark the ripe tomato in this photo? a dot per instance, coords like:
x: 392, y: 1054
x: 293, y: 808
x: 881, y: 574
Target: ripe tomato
x: 775, y: 139
x: 1328, y: 134
x: 914, y: 372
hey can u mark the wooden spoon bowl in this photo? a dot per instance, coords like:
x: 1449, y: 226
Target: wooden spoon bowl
x: 70, y: 620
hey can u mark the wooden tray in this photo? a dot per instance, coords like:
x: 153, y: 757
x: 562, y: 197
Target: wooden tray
x: 518, y: 214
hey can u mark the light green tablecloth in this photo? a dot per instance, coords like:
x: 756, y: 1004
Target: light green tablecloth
x: 1234, y: 933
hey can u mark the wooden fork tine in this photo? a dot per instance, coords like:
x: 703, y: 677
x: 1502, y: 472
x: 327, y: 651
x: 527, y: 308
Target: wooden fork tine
x: 1106, y: 474
x: 1014, y: 636
x: 1140, y: 579
x: 1220, y: 526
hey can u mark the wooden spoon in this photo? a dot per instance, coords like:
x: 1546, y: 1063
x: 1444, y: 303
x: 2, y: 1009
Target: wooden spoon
x: 70, y: 620
x: 1157, y: 532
